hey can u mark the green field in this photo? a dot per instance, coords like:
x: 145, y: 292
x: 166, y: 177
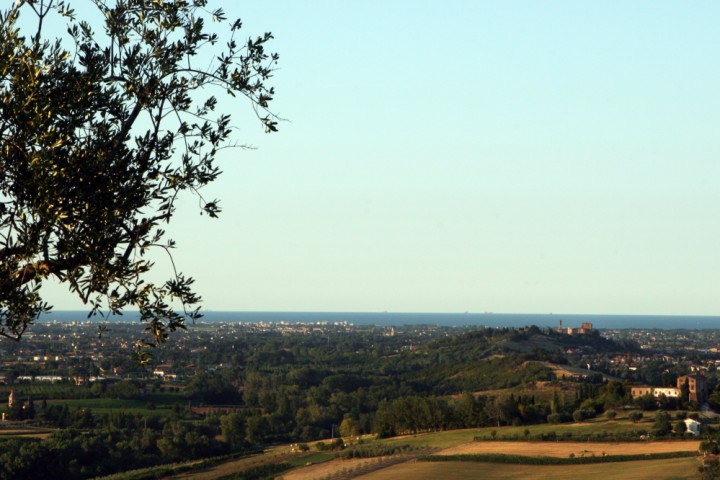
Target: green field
x: 577, y: 431
x: 25, y: 433
x: 104, y: 406
x: 47, y: 390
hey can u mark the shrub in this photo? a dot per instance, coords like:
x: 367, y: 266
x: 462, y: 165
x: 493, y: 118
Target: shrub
x: 554, y: 418
x: 336, y: 444
x: 635, y: 416
x: 709, y: 446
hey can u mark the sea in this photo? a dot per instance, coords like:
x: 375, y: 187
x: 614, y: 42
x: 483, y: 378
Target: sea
x: 485, y: 319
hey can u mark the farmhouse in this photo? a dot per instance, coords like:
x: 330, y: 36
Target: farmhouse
x: 694, y: 426
x: 657, y: 392
x: 669, y: 392
x: 696, y: 384
x: 640, y: 391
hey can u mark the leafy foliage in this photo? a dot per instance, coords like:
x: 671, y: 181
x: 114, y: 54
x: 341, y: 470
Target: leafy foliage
x: 99, y: 139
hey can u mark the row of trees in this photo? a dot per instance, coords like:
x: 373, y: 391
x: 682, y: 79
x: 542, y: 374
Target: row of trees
x: 115, y: 443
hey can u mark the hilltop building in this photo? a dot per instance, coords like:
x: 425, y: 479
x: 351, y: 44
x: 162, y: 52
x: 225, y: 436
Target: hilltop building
x: 585, y: 328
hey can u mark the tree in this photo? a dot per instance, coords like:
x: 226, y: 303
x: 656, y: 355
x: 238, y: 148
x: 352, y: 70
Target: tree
x: 99, y: 139
x: 646, y: 402
x: 685, y: 393
x: 554, y: 418
x: 211, y: 388
x: 579, y: 416
x: 232, y: 426
x: 680, y: 427
x: 349, y: 427
x: 635, y: 416
x: 662, y: 424
x: 255, y: 429
x: 709, y: 447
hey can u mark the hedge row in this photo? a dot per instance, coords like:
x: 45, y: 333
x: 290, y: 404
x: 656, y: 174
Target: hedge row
x: 523, y: 460
x: 633, y: 436
x: 374, y: 450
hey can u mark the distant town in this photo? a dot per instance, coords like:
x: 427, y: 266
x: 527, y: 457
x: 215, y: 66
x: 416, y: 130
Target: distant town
x: 220, y: 389
x: 80, y: 352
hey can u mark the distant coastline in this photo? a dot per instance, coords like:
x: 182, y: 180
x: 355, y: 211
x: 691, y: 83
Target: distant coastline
x: 487, y: 319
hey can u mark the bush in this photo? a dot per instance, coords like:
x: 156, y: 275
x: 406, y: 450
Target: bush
x: 336, y: 444
x: 635, y: 416
x: 709, y: 446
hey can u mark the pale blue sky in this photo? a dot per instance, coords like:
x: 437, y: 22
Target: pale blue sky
x: 504, y: 156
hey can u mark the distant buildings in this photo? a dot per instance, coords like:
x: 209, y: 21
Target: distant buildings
x: 697, y: 384
x: 697, y: 389
x: 585, y: 327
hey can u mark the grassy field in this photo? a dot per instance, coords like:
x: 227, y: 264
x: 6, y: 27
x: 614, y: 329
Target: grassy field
x: 678, y: 468
x: 45, y: 390
x: 457, y: 437
x: 239, y: 465
x: 103, y: 406
x: 24, y: 433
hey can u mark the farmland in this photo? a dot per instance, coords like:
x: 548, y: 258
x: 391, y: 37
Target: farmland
x: 677, y: 468
x: 474, y: 401
x: 577, y: 449
x: 319, y: 465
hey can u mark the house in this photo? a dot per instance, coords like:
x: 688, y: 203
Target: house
x: 657, y: 392
x: 640, y: 391
x: 162, y: 370
x: 696, y: 384
x: 694, y: 426
x: 669, y: 392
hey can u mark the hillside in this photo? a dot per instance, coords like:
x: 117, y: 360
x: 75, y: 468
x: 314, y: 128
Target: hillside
x: 503, y: 358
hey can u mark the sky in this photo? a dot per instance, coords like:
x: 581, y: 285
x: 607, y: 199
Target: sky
x: 451, y: 156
